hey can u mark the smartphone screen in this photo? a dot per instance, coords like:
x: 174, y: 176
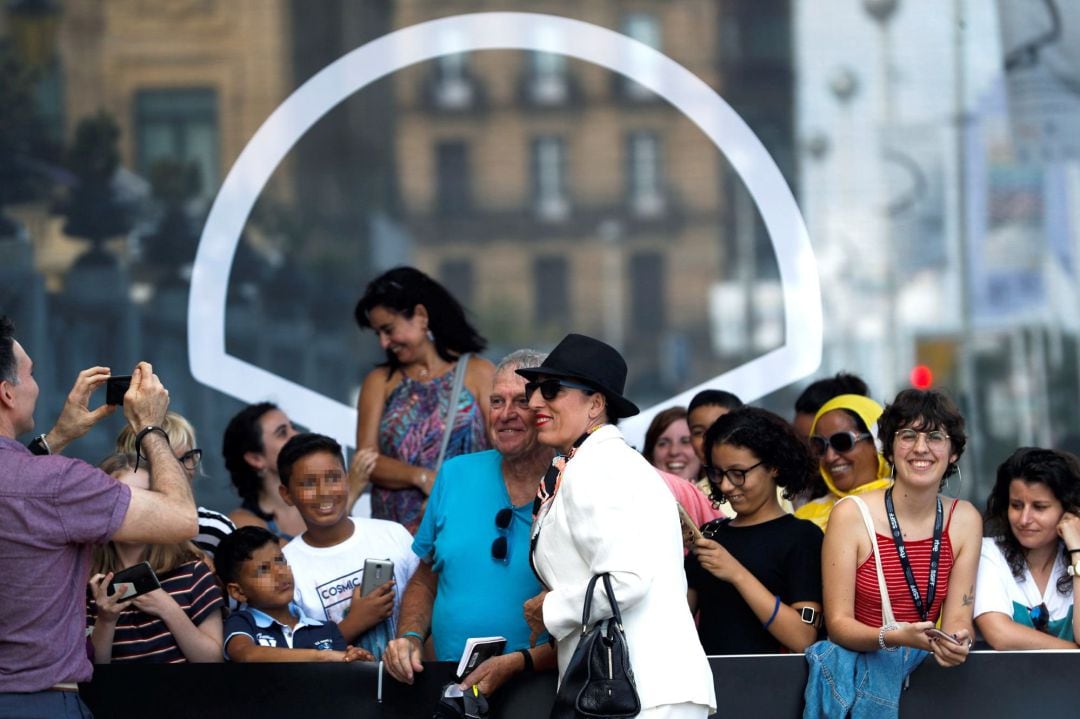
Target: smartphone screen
x: 115, y: 387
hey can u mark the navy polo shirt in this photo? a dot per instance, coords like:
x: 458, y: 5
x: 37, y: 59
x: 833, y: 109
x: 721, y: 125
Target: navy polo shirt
x: 265, y: 631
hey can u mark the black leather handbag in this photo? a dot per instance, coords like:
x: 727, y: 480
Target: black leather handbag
x: 598, y: 681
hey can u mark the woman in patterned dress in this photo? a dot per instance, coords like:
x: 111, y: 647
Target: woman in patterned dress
x: 403, y: 401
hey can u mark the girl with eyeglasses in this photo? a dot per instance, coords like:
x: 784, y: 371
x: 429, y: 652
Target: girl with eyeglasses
x: 756, y: 578
x: 179, y: 622
x: 1025, y: 596
x: 842, y: 439
x: 928, y: 544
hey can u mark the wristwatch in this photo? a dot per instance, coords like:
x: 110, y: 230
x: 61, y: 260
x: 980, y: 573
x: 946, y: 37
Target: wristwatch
x: 39, y: 446
x: 810, y: 616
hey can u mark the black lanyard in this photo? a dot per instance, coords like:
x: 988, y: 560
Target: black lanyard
x: 901, y: 550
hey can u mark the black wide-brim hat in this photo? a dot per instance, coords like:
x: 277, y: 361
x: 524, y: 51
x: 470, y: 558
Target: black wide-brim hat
x: 593, y: 363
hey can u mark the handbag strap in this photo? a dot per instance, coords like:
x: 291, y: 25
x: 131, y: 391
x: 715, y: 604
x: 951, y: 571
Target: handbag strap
x: 887, y: 616
x: 451, y: 408
x: 587, y: 610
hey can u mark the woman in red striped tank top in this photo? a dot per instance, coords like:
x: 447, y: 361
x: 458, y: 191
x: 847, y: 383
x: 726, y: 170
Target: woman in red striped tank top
x: 929, y: 544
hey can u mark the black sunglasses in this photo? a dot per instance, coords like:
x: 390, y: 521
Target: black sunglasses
x: 500, y: 548
x: 1040, y: 617
x: 840, y: 441
x: 736, y: 476
x: 549, y: 388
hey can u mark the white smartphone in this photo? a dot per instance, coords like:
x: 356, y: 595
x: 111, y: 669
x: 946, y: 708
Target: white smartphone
x: 377, y: 572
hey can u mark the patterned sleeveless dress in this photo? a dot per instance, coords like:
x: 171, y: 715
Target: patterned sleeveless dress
x: 411, y: 431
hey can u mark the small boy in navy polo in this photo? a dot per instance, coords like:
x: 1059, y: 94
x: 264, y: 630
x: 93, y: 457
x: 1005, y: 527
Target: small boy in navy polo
x: 270, y: 627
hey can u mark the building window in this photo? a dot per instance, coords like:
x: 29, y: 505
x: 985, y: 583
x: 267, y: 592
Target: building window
x: 644, y: 28
x: 551, y: 303
x: 550, y: 196
x: 453, y: 87
x: 179, y: 125
x: 452, y: 177
x: 644, y: 176
x: 457, y: 277
x: 647, y: 295
x: 547, y: 79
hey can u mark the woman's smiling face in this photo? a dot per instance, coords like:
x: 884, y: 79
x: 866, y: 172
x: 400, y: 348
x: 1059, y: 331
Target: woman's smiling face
x: 674, y: 452
x: 564, y: 418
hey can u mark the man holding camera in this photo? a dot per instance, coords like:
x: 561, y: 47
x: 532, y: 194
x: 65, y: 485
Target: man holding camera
x: 52, y: 510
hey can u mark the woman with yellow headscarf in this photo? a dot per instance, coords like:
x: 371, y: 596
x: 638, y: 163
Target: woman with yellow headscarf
x: 843, y: 439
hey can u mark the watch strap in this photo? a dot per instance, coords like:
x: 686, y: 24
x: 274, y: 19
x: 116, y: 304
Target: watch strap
x: 39, y: 446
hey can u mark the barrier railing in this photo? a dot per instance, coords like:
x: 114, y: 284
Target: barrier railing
x: 989, y: 684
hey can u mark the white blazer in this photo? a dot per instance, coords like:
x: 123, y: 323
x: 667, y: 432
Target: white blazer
x: 612, y: 513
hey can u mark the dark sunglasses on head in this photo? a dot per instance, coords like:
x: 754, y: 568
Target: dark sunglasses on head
x: 840, y: 441
x: 500, y: 548
x: 549, y: 388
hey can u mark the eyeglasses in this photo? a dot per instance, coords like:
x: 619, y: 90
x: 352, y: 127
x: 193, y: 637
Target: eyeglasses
x: 549, y: 388
x: 935, y: 438
x: 840, y: 441
x: 1040, y: 617
x: 191, y: 458
x: 736, y: 476
x: 500, y: 548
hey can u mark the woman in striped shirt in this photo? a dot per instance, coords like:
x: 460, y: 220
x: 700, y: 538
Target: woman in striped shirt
x: 180, y: 622
x: 929, y: 544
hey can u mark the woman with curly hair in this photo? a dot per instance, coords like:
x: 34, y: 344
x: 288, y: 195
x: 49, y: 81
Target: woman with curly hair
x: 756, y: 578
x: 1025, y: 595
x: 405, y: 401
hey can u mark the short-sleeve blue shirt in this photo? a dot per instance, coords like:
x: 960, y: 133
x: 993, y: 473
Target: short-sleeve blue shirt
x: 477, y: 595
x: 266, y: 631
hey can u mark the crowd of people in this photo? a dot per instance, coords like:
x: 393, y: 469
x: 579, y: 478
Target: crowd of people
x: 496, y: 493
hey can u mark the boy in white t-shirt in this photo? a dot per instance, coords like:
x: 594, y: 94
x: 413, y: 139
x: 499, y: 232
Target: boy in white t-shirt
x: 328, y: 558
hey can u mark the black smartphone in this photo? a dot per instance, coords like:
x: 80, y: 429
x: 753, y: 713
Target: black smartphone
x: 115, y: 387
x: 139, y: 579
x: 377, y: 572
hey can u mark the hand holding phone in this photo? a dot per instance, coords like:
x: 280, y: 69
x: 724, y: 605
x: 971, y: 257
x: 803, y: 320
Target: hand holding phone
x: 935, y: 633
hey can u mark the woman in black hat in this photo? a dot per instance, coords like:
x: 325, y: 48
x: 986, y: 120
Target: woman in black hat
x: 603, y: 508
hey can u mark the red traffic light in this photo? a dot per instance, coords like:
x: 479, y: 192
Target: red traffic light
x: 921, y: 377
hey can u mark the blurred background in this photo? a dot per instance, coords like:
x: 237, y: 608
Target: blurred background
x: 932, y: 146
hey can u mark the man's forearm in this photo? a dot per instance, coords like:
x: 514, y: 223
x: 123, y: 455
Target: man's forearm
x: 167, y: 475
x: 417, y: 602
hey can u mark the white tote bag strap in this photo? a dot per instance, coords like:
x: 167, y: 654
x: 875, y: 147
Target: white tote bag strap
x: 886, y: 605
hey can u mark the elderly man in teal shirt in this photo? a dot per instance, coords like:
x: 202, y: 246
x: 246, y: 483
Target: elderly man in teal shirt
x: 474, y: 542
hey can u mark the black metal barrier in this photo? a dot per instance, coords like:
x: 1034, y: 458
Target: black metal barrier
x: 989, y: 684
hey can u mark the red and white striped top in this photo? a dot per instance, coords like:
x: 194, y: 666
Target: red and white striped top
x: 867, y: 595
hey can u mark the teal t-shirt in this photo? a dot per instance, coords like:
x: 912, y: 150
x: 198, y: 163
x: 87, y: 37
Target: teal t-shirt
x: 478, y: 595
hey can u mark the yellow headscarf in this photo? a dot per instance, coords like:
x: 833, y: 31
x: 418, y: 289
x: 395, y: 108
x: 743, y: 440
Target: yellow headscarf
x: 869, y: 411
